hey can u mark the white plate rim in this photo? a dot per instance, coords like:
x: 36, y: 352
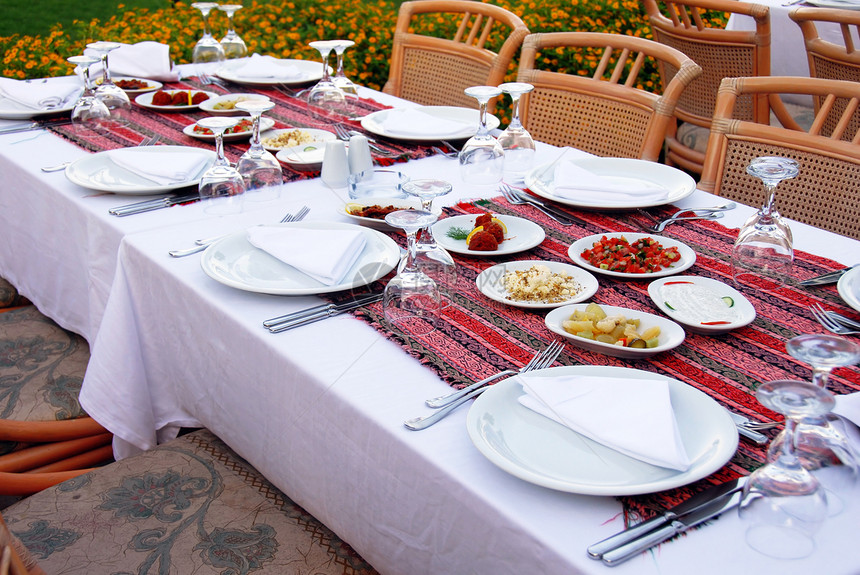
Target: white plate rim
x: 405, y: 203
x: 688, y: 255
x: 74, y: 172
x: 837, y: 5
x: 387, y: 258
x: 208, y: 105
x: 145, y: 100
x: 721, y: 432
x: 669, y: 329
x: 685, y: 186
x: 843, y: 286
x: 22, y: 113
x: 585, y: 278
x: 745, y: 306
x: 373, y: 123
x: 458, y: 246
x: 312, y: 69
x: 324, y: 136
x: 265, y: 124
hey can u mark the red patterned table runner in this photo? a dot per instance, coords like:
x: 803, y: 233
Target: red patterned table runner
x: 289, y: 112
x: 479, y: 337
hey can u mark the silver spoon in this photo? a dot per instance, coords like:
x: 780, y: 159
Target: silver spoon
x: 56, y: 168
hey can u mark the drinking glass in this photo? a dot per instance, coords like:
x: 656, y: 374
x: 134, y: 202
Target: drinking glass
x: 232, y: 43
x: 207, y: 49
x: 764, y: 243
x: 89, y: 112
x: 515, y: 140
x: 221, y: 187
x: 340, y: 80
x: 410, y: 301
x: 112, y: 95
x: 783, y: 504
x: 325, y: 95
x: 431, y: 258
x: 482, y: 158
x: 259, y: 168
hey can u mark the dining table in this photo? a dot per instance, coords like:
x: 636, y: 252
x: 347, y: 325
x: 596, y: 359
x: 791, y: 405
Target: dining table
x: 320, y: 409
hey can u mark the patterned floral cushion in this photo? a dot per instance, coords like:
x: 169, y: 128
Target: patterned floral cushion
x: 42, y: 367
x: 188, y: 506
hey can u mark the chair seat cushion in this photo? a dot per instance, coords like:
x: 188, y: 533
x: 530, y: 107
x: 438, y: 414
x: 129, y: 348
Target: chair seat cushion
x: 9, y: 296
x: 192, y: 504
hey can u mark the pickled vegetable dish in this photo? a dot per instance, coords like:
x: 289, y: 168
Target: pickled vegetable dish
x: 594, y: 323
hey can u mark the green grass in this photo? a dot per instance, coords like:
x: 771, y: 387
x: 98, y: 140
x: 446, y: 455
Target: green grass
x: 35, y: 17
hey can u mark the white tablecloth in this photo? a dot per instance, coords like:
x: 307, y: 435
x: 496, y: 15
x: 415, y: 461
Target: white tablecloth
x: 318, y: 410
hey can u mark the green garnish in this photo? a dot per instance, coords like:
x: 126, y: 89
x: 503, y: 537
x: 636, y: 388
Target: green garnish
x: 456, y: 233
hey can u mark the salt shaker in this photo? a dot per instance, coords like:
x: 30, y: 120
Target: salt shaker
x: 335, y: 166
x: 359, y: 154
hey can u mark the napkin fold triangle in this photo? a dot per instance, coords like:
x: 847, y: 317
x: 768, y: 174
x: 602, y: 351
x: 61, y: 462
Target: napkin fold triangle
x: 163, y: 168
x: 146, y: 59
x: 258, y: 66
x: 323, y: 254
x: 572, y: 181
x: 632, y: 416
x: 415, y: 122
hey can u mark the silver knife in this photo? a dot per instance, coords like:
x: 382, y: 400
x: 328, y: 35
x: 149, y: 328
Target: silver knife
x: 699, y: 515
x: 317, y: 309
x: 337, y: 310
x: 553, y: 212
x: 751, y: 434
x: 33, y: 126
x: 154, y: 205
x: 696, y: 502
x: 828, y: 278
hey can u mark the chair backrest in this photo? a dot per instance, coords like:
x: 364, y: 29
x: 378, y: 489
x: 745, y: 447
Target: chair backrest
x: 826, y: 193
x: 683, y: 25
x: 606, y: 112
x: 435, y: 71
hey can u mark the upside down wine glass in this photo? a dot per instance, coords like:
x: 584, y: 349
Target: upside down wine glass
x: 783, y: 505
x: 325, y: 95
x: 764, y: 243
x: 221, y: 187
x: 515, y: 140
x: 207, y: 49
x: 431, y: 258
x: 340, y: 80
x: 482, y: 157
x: 232, y: 43
x: 112, y: 95
x: 259, y: 168
x: 89, y: 112
x: 410, y: 301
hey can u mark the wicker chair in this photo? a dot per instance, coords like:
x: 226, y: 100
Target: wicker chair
x: 45, y: 436
x: 435, y: 71
x: 605, y: 113
x: 721, y: 53
x: 825, y: 193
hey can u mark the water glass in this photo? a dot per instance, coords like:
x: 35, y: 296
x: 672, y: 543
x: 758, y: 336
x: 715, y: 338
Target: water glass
x: 482, y: 157
x: 222, y: 187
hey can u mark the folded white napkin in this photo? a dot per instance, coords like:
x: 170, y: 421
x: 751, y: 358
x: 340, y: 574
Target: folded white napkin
x: 574, y: 182
x: 258, y: 66
x: 163, y: 168
x: 39, y: 95
x: 848, y: 409
x: 142, y: 60
x: 414, y: 122
x: 632, y: 416
x: 325, y: 255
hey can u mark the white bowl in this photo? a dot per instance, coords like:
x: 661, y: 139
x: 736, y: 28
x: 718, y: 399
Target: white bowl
x: 671, y: 334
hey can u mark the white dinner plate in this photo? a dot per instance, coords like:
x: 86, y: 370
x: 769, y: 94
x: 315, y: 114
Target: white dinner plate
x: 145, y: 100
x: 688, y: 256
x: 671, y: 334
x: 151, y: 85
x: 224, y: 105
x: 522, y: 235
x: 538, y: 450
x: 375, y: 123
x: 840, y: 5
x: 308, y: 72
x: 98, y: 172
x: 307, y: 153
x: 234, y: 262
x: 379, y: 224
x: 491, y: 283
x: 620, y: 170
x: 849, y: 287
x: 265, y: 124
x: 12, y: 110
x: 694, y: 301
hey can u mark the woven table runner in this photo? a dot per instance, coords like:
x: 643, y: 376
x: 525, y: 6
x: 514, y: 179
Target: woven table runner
x: 479, y: 337
x: 289, y: 112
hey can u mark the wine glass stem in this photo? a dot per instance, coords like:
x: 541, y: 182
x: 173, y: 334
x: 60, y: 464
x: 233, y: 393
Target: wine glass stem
x: 515, y: 113
x: 787, y: 454
x: 482, y: 126
x: 105, y: 71
x: 767, y: 209
x: 255, y: 139
x: 221, y: 160
x: 206, y: 23
x: 411, y: 253
x: 325, y: 55
x: 820, y: 375
x: 339, y: 71
x: 87, y: 84
x: 426, y: 234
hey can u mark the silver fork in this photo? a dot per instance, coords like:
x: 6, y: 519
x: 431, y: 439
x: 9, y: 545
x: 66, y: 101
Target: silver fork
x: 514, y: 198
x: 846, y: 321
x: 344, y: 134
x: 208, y: 80
x: 299, y: 215
x: 150, y: 141
x: 539, y: 361
x: 829, y: 323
